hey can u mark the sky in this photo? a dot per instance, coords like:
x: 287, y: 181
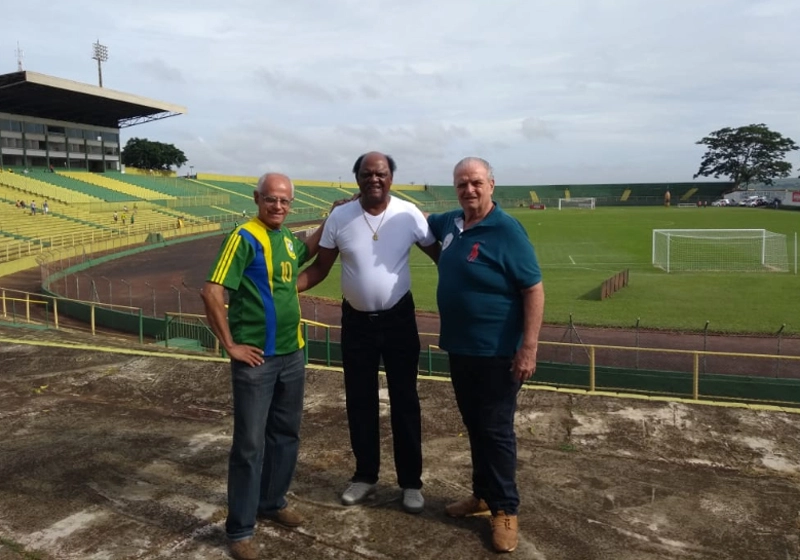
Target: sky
x: 575, y: 91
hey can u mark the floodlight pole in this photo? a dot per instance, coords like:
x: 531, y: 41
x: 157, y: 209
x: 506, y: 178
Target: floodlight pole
x: 100, y: 54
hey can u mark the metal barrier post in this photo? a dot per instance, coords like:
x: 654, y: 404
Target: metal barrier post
x: 328, y: 345
x: 430, y: 360
x: 55, y: 312
x: 28, y: 308
x: 92, y: 318
x: 696, y: 376
x: 141, y: 327
x: 780, y: 336
x: 5, y: 312
x: 592, y: 376
x: 305, y: 337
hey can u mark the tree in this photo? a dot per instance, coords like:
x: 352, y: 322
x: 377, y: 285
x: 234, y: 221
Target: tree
x: 748, y: 154
x: 144, y: 154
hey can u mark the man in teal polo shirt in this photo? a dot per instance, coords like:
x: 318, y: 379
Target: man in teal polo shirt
x: 258, y: 264
x: 491, y: 302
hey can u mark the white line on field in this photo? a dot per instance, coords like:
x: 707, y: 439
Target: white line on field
x: 571, y: 259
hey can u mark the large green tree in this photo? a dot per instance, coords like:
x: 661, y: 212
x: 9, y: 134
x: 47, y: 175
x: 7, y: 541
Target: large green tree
x: 748, y: 154
x: 146, y: 154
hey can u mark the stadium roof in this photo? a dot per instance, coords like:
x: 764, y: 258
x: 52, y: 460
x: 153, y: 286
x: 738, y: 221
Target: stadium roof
x: 38, y: 95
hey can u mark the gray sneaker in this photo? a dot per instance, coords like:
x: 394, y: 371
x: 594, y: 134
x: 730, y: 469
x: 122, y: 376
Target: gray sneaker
x: 357, y: 492
x: 413, y: 502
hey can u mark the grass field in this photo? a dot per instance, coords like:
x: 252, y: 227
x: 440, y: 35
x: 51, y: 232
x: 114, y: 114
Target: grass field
x: 578, y: 249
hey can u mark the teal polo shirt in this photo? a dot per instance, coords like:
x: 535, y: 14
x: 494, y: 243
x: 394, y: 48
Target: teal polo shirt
x: 482, y: 271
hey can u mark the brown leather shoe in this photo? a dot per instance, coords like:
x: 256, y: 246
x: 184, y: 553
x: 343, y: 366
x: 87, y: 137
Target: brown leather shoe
x: 245, y: 549
x: 467, y: 508
x: 286, y: 517
x: 504, y: 532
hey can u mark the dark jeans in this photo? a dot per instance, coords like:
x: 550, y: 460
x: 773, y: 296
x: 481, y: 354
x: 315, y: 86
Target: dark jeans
x: 486, y: 393
x: 267, y: 408
x: 366, y: 338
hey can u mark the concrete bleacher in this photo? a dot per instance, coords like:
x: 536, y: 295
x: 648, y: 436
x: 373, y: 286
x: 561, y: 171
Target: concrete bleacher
x: 133, y: 192
x: 172, y: 186
x: 631, y: 194
x: 51, y: 230
x: 40, y: 186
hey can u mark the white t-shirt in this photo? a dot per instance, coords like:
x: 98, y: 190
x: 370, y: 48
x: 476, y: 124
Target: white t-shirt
x: 375, y: 274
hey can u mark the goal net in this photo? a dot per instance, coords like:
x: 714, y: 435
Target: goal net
x: 577, y: 202
x: 723, y: 250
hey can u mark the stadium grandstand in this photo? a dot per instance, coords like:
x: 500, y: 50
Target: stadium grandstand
x: 61, y: 180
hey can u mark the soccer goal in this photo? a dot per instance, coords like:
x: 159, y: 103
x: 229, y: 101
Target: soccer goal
x: 723, y: 250
x: 576, y: 202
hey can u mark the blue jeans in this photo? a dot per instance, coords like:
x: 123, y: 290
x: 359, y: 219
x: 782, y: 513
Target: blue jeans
x: 486, y: 393
x: 267, y: 408
x: 366, y: 338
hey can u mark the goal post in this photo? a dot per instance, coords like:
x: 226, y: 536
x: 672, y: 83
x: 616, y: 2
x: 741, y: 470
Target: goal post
x: 720, y: 250
x: 586, y: 202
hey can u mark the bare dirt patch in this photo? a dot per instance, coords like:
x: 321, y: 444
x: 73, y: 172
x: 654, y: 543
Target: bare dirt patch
x: 117, y: 456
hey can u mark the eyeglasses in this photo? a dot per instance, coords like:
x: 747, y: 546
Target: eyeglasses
x: 273, y: 199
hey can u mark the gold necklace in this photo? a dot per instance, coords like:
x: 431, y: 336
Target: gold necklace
x: 369, y: 225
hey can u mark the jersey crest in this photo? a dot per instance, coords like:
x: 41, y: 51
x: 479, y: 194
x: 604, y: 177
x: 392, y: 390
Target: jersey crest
x: 290, y: 248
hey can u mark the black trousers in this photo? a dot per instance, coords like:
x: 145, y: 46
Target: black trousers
x: 486, y: 393
x: 366, y: 338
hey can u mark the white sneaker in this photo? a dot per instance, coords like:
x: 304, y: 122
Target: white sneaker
x: 413, y: 502
x: 357, y: 492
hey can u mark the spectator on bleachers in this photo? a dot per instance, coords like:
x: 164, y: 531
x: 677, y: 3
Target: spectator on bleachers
x: 124, y: 218
x: 115, y: 216
x: 33, y: 207
x: 45, y: 208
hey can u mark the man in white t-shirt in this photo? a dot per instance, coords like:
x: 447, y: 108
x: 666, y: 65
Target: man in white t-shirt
x: 374, y: 236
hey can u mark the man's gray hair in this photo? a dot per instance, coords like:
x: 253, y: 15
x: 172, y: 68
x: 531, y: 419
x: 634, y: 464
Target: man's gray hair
x: 467, y: 160
x: 263, y: 179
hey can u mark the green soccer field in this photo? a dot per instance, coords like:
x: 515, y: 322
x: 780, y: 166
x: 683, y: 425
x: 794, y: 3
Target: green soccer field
x: 578, y: 249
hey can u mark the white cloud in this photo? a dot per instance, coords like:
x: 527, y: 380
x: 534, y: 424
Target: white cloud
x: 574, y: 91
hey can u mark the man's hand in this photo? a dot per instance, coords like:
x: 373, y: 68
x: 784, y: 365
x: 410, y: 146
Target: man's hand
x: 250, y: 355
x: 345, y: 200
x: 524, y: 364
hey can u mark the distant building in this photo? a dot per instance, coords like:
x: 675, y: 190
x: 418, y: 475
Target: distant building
x: 58, y: 124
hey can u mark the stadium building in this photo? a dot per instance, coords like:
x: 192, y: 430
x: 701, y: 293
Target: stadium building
x: 53, y: 123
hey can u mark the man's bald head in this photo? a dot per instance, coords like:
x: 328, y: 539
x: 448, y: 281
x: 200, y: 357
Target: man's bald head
x: 268, y: 180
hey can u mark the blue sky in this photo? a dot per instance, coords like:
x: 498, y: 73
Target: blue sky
x: 576, y: 91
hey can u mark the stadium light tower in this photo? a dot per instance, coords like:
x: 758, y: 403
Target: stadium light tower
x: 100, y: 54
x: 20, y: 56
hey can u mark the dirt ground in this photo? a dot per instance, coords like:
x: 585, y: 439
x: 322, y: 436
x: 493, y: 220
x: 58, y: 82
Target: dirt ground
x: 122, y: 455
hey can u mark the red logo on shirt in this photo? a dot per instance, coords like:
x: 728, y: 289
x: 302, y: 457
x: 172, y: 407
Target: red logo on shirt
x: 474, y: 253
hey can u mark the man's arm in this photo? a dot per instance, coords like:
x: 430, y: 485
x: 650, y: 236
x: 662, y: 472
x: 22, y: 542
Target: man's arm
x: 524, y: 364
x: 214, y: 300
x: 433, y: 251
x: 317, y: 271
x: 312, y: 241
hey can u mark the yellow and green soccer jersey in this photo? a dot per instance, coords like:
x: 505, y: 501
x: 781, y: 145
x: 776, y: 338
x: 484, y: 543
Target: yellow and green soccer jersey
x: 259, y: 268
